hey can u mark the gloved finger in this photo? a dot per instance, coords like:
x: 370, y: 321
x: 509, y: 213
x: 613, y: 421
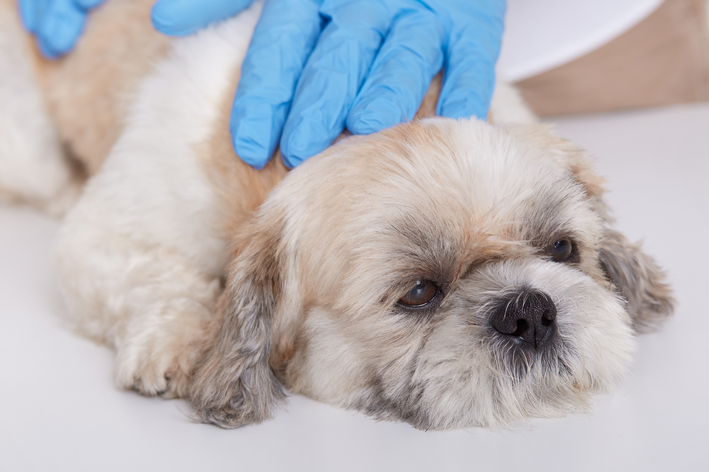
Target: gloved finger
x: 31, y: 12
x: 411, y: 56
x: 469, y: 68
x: 284, y: 38
x: 333, y: 75
x: 183, y: 17
x: 60, y: 27
x: 88, y: 4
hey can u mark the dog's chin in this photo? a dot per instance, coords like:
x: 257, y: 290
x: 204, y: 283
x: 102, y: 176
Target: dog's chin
x: 460, y: 371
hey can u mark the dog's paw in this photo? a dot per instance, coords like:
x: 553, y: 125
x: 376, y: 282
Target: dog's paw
x: 158, y: 364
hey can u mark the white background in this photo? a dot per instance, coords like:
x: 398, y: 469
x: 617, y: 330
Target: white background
x: 59, y: 410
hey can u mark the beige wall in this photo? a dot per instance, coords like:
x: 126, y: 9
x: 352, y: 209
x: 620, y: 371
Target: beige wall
x: 662, y: 60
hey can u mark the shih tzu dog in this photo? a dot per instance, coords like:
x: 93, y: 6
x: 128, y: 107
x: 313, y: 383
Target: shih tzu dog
x: 444, y: 273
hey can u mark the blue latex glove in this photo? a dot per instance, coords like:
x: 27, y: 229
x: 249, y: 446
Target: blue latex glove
x: 57, y: 24
x: 183, y: 17
x: 314, y: 66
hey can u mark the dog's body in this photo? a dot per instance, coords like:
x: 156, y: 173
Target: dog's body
x: 164, y: 259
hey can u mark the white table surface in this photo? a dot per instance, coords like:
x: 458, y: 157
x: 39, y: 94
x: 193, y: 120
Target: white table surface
x: 59, y: 410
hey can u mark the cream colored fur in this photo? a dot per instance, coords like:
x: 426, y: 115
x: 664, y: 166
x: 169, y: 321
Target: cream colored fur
x: 33, y: 168
x: 162, y: 259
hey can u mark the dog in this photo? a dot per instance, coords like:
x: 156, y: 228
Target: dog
x: 446, y: 273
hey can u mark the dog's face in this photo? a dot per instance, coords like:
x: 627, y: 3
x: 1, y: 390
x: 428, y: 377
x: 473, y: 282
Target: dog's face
x: 443, y: 273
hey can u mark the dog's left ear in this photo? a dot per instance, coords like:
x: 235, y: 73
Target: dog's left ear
x: 233, y: 381
x: 633, y: 273
x: 638, y: 279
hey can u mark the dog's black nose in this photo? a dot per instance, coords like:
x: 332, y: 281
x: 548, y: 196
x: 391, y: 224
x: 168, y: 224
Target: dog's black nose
x: 527, y: 317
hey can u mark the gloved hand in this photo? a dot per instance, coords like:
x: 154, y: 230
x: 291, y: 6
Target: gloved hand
x: 57, y: 24
x: 314, y: 66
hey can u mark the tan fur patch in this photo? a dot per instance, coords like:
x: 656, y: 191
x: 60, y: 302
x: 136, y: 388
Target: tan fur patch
x: 89, y: 90
x: 430, y: 100
x: 240, y: 187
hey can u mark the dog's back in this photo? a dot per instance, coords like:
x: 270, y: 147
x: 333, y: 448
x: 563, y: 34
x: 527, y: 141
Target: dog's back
x: 61, y: 118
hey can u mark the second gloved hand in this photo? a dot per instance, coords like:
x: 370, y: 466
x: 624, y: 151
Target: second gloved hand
x: 56, y: 24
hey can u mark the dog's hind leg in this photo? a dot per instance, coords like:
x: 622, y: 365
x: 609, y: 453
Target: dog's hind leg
x: 33, y: 168
x: 508, y: 106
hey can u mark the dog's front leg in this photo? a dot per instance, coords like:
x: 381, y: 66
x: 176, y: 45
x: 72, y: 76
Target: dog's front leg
x: 140, y: 261
x: 141, y: 255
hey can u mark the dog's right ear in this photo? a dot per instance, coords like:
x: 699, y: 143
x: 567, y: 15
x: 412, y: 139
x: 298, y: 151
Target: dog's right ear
x: 233, y: 382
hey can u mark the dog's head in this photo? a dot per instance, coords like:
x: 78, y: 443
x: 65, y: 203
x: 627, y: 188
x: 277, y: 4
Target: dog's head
x: 444, y: 273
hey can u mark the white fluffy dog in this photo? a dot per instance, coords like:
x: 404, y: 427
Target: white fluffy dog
x: 444, y: 273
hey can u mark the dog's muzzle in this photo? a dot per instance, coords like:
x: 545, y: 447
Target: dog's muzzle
x: 527, y: 318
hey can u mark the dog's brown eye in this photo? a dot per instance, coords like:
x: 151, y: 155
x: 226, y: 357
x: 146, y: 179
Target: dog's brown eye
x: 422, y: 294
x: 562, y: 250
